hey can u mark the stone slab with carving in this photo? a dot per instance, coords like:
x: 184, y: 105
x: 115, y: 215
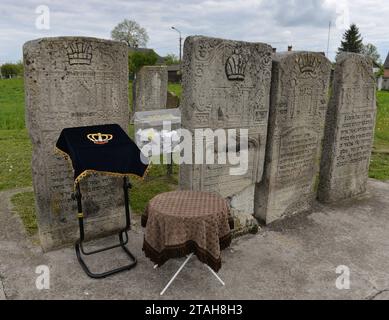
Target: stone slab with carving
x: 300, y: 85
x: 71, y: 82
x: 226, y: 85
x: 349, y: 131
x: 151, y: 88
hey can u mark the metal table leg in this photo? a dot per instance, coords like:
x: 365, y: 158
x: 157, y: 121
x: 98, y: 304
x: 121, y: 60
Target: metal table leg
x: 176, y: 274
x: 182, y: 267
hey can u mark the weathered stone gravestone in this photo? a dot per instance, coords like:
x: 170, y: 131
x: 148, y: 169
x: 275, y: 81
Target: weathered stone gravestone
x: 299, y: 94
x: 69, y: 82
x: 226, y: 85
x: 349, y: 130
x: 172, y: 101
x: 151, y: 88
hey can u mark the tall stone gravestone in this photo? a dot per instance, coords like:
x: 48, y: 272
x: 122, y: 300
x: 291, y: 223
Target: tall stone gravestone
x: 69, y: 82
x: 226, y: 85
x: 151, y: 88
x: 300, y: 84
x: 349, y: 130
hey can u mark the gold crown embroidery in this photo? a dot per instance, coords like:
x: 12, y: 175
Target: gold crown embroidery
x: 100, y: 138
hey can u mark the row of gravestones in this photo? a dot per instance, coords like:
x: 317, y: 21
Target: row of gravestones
x: 281, y: 100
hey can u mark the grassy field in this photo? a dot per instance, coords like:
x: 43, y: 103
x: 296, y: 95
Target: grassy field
x: 175, y: 88
x: 15, y: 159
x: 11, y: 104
x: 379, y: 166
x: 15, y: 153
x: 382, y: 127
x: 23, y: 203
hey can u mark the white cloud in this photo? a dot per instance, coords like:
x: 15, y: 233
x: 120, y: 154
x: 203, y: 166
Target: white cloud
x: 303, y: 23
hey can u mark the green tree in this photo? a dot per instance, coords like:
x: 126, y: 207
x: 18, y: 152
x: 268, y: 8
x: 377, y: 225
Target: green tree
x: 137, y: 60
x: 171, y: 59
x: 380, y: 72
x: 9, y: 70
x: 130, y: 32
x: 371, y: 51
x: 352, y: 41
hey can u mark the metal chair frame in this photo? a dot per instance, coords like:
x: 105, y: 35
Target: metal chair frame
x: 123, y: 236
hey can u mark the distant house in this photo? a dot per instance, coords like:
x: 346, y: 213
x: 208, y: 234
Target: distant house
x: 174, y: 74
x: 386, y: 67
x: 385, y: 82
x: 290, y: 49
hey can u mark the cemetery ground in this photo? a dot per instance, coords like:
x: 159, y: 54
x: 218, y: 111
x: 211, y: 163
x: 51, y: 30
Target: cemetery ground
x: 293, y: 258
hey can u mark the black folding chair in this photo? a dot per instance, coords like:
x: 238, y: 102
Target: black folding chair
x: 97, y: 149
x: 123, y: 236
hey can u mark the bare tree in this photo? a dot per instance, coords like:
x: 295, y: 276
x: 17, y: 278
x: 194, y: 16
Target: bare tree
x: 371, y: 51
x: 130, y: 32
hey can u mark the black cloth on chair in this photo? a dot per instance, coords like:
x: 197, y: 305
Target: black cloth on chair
x: 103, y: 149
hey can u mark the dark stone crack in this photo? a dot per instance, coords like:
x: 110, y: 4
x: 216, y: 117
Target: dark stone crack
x: 2, y: 288
x: 375, y: 295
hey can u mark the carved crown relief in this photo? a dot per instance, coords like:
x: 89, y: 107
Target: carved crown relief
x: 308, y: 64
x: 228, y: 82
x: 304, y: 89
x: 236, y: 66
x: 79, y: 53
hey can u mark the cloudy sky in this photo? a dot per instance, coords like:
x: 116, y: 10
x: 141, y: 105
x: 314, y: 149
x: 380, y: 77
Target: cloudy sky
x: 302, y: 23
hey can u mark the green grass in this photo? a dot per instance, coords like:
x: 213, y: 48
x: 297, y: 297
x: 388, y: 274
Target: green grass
x: 15, y: 159
x: 175, y: 88
x: 11, y: 104
x: 24, y: 206
x: 379, y: 166
x: 155, y: 183
x: 382, y: 126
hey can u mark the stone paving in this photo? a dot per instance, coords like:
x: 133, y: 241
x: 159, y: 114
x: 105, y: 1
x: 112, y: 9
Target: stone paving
x: 291, y: 259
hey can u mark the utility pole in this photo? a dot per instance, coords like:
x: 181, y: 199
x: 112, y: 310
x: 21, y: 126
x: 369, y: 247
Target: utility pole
x: 180, y: 42
x: 329, y: 37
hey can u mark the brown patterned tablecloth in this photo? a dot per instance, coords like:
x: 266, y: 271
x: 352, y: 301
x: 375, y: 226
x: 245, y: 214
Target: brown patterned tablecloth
x: 181, y: 222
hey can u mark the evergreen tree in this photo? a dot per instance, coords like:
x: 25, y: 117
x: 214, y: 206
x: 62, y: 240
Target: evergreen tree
x: 352, y: 41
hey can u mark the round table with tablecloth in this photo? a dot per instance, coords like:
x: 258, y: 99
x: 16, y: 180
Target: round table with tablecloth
x: 179, y: 223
